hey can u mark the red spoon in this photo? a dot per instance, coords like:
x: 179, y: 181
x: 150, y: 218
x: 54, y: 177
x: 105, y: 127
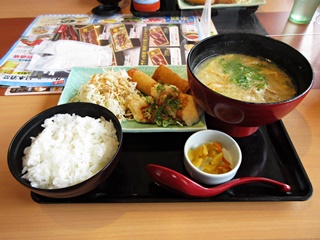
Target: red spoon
x: 172, y: 180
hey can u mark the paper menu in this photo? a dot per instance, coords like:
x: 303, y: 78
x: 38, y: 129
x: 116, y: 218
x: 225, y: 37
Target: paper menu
x: 128, y: 36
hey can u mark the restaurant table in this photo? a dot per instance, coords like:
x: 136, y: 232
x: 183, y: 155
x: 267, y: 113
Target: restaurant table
x: 23, y: 218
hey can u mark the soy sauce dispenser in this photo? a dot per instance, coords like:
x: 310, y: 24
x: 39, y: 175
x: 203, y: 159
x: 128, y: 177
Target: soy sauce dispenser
x: 146, y: 5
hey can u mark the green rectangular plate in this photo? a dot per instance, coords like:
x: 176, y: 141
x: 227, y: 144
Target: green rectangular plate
x: 80, y: 75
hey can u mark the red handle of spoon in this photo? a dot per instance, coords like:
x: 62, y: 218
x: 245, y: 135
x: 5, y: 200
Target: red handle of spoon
x: 244, y: 180
x: 173, y: 180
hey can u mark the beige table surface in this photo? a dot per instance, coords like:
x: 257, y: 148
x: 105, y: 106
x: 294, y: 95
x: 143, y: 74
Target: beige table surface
x: 22, y: 218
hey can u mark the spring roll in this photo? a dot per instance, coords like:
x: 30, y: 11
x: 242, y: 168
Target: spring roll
x: 165, y: 75
x: 144, y: 82
x: 226, y: 1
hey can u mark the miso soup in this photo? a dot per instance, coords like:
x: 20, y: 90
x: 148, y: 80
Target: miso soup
x: 246, y: 78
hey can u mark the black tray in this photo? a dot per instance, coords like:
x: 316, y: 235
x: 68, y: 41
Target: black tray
x: 226, y: 20
x: 268, y: 153
x: 171, y: 8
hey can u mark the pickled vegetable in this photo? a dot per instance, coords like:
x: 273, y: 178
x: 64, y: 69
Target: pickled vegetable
x: 209, y: 157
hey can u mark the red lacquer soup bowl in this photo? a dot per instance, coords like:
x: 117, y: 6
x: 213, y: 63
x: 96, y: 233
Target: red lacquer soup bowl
x: 239, y: 118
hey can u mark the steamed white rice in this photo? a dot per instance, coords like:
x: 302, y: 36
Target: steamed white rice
x: 69, y: 150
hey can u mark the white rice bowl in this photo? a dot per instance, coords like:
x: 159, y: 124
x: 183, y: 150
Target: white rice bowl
x: 69, y: 150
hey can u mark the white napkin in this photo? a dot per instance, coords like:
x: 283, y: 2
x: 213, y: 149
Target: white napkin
x: 66, y: 54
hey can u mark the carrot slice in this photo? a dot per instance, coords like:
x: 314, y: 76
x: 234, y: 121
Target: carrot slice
x: 218, y: 146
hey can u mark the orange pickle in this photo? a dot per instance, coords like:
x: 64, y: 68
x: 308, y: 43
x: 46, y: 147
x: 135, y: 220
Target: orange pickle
x: 209, y: 158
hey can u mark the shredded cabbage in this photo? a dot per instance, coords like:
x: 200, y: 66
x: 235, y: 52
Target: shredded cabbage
x: 110, y: 90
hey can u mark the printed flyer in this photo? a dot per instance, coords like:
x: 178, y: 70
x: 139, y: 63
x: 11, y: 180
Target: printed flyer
x: 48, y: 49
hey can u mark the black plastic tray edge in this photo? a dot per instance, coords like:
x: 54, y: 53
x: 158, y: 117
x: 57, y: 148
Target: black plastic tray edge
x: 303, y: 197
x: 162, y: 12
x: 308, y: 183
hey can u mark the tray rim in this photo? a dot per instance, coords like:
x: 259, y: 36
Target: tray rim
x: 181, y: 6
x: 251, y: 3
x: 176, y: 198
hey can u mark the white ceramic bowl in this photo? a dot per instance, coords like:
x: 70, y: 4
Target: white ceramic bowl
x: 227, y: 142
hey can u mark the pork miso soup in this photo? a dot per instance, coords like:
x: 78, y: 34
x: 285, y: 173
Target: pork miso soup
x: 246, y: 78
